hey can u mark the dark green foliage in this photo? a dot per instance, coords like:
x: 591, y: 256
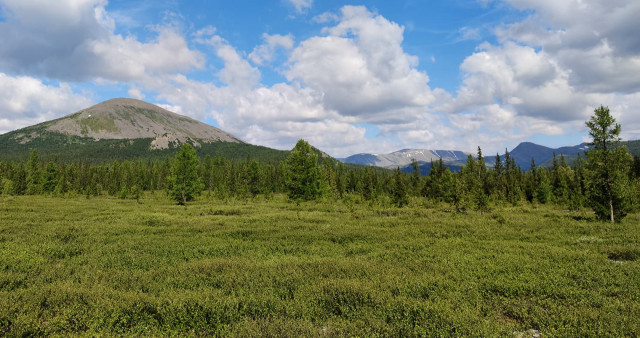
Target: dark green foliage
x: 416, y: 178
x: 63, y: 186
x: 66, y: 148
x: 19, y: 180
x: 303, y: 178
x: 254, y: 178
x: 544, y: 189
x: 635, y: 168
x: 607, y: 168
x: 184, y: 179
x: 34, y: 174
x: 399, y: 196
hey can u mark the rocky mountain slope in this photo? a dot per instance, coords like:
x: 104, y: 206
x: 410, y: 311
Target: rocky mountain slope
x: 129, y: 119
x: 125, y: 129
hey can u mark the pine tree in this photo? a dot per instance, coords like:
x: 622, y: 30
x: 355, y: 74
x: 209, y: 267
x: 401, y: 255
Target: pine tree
x: 531, y: 182
x: 63, y: 186
x: 607, y: 168
x: 255, y: 178
x: 340, y: 180
x: 415, y: 177
x: 19, y: 180
x: 481, y: 197
x: 50, y: 177
x: 34, y: 174
x: 399, y: 195
x: 303, y: 177
x: 635, y: 168
x: 543, y: 192
x: 184, y: 179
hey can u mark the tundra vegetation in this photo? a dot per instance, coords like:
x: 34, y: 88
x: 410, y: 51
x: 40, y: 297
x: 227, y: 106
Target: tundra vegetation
x: 481, y: 252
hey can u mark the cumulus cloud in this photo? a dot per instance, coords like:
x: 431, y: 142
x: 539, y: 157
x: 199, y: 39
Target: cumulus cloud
x: 549, y: 71
x: 360, y: 67
x: 237, y: 71
x: 357, y: 72
x: 26, y: 101
x: 264, y: 53
x: 595, y: 40
x: 528, y: 81
x: 74, y: 40
x: 542, y: 75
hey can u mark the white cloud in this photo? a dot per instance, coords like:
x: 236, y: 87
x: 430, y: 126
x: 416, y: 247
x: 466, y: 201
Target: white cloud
x: 595, y: 40
x: 74, y: 40
x: 357, y: 73
x: 544, y: 75
x: 136, y: 93
x: 237, y: 72
x: 264, y: 53
x: 360, y: 67
x: 519, y: 77
x: 26, y: 101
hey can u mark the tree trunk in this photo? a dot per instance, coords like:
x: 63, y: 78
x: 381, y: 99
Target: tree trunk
x: 611, y: 209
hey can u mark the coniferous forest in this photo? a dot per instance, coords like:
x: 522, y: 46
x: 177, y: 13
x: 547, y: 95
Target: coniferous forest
x: 475, y: 187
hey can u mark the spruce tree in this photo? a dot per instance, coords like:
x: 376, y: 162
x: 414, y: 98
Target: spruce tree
x: 303, y: 177
x: 184, y: 179
x: 34, y: 174
x: 481, y: 191
x: 19, y: 179
x: 543, y: 192
x: 399, y: 190
x: 607, y: 168
x: 50, y: 177
x: 255, y: 178
x: 340, y: 180
x: 415, y: 178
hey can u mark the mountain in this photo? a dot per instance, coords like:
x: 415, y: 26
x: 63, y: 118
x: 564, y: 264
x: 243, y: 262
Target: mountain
x: 125, y: 129
x: 455, y: 159
x: 525, y: 151
x: 404, y: 157
x: 120, y: 119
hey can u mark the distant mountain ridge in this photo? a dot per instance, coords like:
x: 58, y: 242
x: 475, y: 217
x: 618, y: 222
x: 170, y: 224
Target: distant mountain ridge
x: 405, y: 157
x: 525, y: 151
x: 455, y: 159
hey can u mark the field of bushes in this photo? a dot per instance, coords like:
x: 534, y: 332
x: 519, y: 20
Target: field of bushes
x: 109, y: 266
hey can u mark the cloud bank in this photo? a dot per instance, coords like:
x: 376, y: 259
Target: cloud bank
x: 542, y: 75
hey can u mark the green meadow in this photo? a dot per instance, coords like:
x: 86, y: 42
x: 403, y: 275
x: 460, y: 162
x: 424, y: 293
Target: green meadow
x: 107, y: 266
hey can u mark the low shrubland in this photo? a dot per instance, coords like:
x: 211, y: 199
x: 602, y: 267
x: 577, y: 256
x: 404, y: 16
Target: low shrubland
x: 334, y: 268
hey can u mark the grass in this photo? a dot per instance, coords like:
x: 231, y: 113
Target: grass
x: 229, y: 268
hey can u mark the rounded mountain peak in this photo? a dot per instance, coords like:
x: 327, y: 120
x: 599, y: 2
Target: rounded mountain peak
x: 125, y: 118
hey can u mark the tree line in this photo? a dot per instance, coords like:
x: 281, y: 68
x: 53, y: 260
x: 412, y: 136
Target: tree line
x: 607, y: 179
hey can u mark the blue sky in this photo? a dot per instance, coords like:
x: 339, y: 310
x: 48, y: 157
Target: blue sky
x: 349, y: 77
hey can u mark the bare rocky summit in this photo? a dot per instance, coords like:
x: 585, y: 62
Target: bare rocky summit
x: 134, y: 119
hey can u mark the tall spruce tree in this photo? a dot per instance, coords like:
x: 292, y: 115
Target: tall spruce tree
x: 607, y: 168
x: 303, y: 177
x: 50, y: 177
x: 34, y: 174
x: 416, y: 180
x: 184, y: 179
x: 399, y: 195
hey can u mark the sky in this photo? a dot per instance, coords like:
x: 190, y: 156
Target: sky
x: 348, y: 77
